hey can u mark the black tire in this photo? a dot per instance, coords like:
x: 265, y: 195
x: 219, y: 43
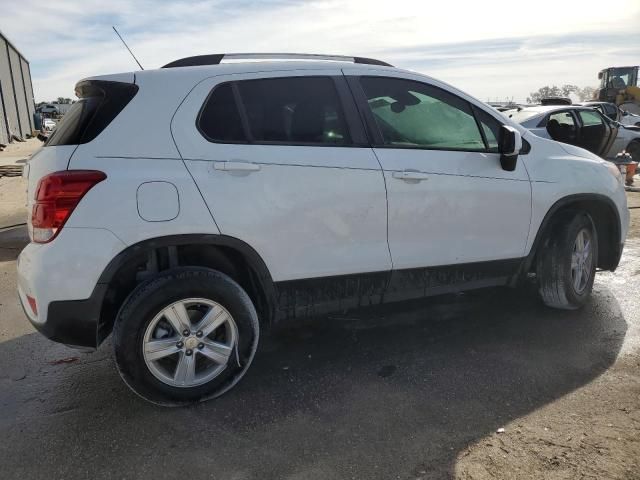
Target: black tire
x: 554, y: 272
x: 148, y: 299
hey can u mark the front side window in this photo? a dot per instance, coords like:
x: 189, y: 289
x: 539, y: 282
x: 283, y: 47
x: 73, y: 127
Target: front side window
x: 413, y: 114
x: 297, y: 110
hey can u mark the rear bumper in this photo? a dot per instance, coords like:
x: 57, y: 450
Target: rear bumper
x: 62, y: 277
x: 72, y: 322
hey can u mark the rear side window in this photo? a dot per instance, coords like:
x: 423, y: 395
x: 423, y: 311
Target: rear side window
x: 294, y: 111
x: 219, y: 119
x: 413, y: 114
x: 99, y: 103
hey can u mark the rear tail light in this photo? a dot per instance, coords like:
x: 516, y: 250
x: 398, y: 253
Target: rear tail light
x: 57, y: 196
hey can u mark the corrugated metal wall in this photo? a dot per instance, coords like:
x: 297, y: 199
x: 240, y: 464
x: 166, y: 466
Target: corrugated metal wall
x: 3, y: 120
x: 16, y: 93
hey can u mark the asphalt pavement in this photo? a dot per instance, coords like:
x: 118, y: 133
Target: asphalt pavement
x: 393, y: 392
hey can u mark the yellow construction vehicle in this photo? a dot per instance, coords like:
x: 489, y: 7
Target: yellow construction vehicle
x: 619, y: 85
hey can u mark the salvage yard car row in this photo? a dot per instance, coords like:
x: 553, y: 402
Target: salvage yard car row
x: 581, y: 126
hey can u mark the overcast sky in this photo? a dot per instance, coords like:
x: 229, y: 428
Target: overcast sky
x: 491, y: 49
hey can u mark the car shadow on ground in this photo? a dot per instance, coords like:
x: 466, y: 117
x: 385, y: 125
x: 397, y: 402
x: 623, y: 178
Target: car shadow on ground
x: 380, y: 393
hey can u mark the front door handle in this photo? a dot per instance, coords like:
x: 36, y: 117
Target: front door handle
x: 410, y: 176
x: 236, y: 166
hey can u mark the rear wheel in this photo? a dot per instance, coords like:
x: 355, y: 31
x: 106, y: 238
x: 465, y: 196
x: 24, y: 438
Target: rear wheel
x: 186, y: 336
x: 566, y: 263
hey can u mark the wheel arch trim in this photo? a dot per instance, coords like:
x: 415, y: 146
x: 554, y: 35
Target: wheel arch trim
x: 567, y: 201
x: 254, y: 260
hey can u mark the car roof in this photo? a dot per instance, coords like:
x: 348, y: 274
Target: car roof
x: 540, y: 110
x: 550, y: 108
x: 594, y: 102
x: 200, y: 72
x: 192, y: 74
x: 274, y: 65
x: 217, y: 58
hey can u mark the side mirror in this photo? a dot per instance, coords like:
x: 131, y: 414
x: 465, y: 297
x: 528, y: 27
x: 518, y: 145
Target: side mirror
x: 624, y: 113
x: 600, y: 75
x: 42, y: 137
x: 509, y: 146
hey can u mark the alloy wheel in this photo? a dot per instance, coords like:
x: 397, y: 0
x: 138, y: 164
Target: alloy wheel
x: 581, y: 261
x: 189, y: 342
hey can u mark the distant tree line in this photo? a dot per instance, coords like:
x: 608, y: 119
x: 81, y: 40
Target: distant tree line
x: 59, y: 100
x: 583, y: 94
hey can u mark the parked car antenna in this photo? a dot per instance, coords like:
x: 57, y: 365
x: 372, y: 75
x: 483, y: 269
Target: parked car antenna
x: 127, y: 46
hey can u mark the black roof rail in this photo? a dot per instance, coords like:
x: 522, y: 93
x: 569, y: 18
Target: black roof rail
x: 215, y: 59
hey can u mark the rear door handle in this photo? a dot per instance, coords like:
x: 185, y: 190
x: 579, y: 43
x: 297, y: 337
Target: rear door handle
x: 236, y: 166
x: 410, y: 176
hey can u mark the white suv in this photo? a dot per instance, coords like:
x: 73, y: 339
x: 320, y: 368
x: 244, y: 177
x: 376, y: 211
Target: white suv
x: 186, y: 208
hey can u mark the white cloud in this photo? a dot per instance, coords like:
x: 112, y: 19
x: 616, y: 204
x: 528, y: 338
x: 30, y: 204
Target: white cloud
x: 66, y: 40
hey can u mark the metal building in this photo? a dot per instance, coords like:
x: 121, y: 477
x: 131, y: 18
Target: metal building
x: 16, y: 93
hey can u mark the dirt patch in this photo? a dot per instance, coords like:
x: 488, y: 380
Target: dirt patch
x: 13, y: 201
x: 17, y: 151
x: 592, y: 433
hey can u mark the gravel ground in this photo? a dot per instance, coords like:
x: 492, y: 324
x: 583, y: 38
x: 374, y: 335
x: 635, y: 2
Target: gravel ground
x: 418, y: 390
x: 13, y: 196
x: 593, y: 432
x: 13, y: 188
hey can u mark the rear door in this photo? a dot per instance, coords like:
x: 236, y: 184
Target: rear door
x: 283, y: 164
x: 450, y: 202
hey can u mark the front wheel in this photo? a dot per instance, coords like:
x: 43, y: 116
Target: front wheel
x: 566, y: 263
x: 185, y: 336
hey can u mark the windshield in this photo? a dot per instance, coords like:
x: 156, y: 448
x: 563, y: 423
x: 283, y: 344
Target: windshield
x: 620, y: 77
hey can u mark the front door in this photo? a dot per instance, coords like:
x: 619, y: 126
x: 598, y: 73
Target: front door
x: 595, y: 132
x: 450, y: 202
